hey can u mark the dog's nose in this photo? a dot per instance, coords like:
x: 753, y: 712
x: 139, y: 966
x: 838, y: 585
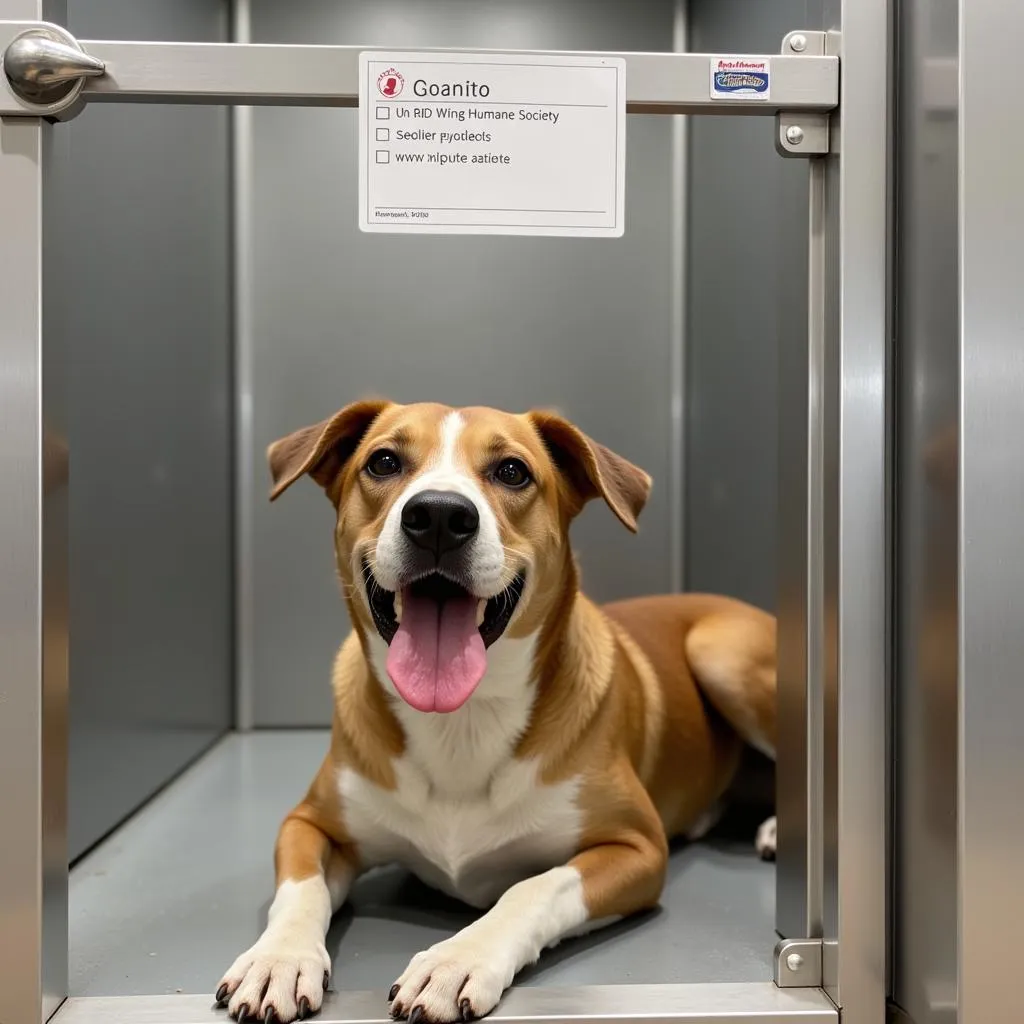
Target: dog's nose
x: 439, y: 521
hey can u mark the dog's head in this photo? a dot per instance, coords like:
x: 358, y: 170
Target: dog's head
x: 452, y: 527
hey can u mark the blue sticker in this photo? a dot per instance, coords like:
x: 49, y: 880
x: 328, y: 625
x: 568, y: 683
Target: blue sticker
x: 738, y: 78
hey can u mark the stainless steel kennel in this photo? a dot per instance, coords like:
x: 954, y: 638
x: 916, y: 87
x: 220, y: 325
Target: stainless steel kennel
x: 831, y: 101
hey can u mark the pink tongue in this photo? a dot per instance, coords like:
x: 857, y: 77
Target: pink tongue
x: 437, y: 657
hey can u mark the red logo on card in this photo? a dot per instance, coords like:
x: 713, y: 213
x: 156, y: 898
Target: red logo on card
x: 390, y: 83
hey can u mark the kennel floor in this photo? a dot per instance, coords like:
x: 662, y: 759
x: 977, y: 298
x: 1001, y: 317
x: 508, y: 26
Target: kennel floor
x: 169, y: 899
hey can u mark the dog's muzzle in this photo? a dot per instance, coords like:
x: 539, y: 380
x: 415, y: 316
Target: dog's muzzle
x: 437, y: 627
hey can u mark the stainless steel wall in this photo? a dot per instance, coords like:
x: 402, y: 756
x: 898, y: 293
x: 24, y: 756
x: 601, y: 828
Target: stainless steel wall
x: 925, y: 676
x: 586, y: 326
x: 746, y: 389
x: 142, y: 298
x: 990, y: 840
x: 959, y: 817
x: 746, y: 314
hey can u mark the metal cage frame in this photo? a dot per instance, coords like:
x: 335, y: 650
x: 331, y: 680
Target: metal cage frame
x: 833, y: 617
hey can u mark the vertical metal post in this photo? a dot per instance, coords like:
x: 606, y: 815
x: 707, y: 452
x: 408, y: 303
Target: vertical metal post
x: 801, y: 431
x: 244, y: 450
x: 677, y: 327
x: 926, y: 649
x: 856, y: 519
x: 991, y: 529
x: 33, y: 583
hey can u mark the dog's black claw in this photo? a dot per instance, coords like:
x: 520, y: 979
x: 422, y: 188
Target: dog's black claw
x: 222, y: 994
x: 303, y: 1008
x: 417, y: 1015
x: 243, y: 1012
x: 397, y: 1011
x: 268, y: 1015
x: 394, y: 992
x: 327, y: 979
x: 466, y: 1010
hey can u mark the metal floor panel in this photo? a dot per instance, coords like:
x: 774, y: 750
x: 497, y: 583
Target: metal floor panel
x: 166, y: 903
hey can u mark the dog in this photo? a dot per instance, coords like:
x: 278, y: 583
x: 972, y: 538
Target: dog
x: 498, y: 734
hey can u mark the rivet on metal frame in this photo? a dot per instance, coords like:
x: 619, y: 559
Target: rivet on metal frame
x: 807, y: 44
x: 804, y: 134
x: 798, y: 963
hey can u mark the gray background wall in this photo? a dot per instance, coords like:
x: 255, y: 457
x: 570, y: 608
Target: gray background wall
x: 143, y: 294
x: 746, y: 298
x: 583, y: 325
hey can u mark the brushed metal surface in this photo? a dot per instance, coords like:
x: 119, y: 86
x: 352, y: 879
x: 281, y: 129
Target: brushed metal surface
x: 856, y: 520
x: 991, y: 529
x: 924, y: 877
x: 34, y: 457
x: 751, y: 434
x: 328, y: 75
x: 751, y: 1003
x: 147, y: 317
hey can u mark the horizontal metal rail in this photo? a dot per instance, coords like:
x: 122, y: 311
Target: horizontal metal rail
x: 738, y: 1003
x: 280, y: 75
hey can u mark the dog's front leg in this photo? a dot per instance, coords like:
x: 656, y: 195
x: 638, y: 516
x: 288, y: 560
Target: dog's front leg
x: 463, y: 977
x: 284, y: 975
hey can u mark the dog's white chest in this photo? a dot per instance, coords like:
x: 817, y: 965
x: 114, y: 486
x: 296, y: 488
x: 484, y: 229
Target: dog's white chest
x: 472, y: 849
x: 466, y: 817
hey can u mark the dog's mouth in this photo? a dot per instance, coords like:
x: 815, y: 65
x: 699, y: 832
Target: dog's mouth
x: 437, y: 634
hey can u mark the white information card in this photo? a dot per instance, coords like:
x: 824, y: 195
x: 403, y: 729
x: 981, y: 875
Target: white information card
x: 492, y: 144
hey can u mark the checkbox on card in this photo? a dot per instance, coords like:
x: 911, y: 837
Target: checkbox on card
x: 383, y: 156
x: 383, y: 113
x: 383, y: 134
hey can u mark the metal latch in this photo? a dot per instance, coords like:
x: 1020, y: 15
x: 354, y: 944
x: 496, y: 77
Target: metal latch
x: 44, y: 69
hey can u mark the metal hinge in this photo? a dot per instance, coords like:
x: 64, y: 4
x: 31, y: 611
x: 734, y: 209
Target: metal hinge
x: 798, y: 963
x: 805, y: 134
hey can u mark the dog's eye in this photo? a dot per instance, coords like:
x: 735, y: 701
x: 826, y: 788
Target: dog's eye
x: 512, y: 473
x: 383, y: 463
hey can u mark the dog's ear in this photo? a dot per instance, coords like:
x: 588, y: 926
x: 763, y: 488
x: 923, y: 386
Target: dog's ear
x: 322, y: 449
x: 592, y: 470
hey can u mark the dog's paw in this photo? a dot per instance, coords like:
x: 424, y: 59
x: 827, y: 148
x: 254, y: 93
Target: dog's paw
x: 764, y: 842
x: 279, y: 979
x: 456, y: 980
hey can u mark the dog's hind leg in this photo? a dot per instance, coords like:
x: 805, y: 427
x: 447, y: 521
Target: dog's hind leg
x: 732, y: 655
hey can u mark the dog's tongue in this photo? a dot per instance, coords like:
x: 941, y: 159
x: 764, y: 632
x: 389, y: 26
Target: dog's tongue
x: 437, y: 657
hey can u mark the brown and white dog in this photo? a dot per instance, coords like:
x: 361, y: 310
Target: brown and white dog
x: 494, y: 731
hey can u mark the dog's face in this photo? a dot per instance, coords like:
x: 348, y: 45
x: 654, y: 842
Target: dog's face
x: 452, y: 527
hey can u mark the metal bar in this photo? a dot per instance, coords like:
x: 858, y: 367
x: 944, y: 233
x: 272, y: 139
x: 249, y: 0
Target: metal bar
x: 751, y: 1003
x: 677, y: 330
x: 801, y: 598
x: 923, y: 869
x: 791, y: 899
x: 856, y: 514
x: 990, y: 827
x: 224, y: 73
x: 33, y: 586
x: 244, y: 449
x: 814, y: 713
